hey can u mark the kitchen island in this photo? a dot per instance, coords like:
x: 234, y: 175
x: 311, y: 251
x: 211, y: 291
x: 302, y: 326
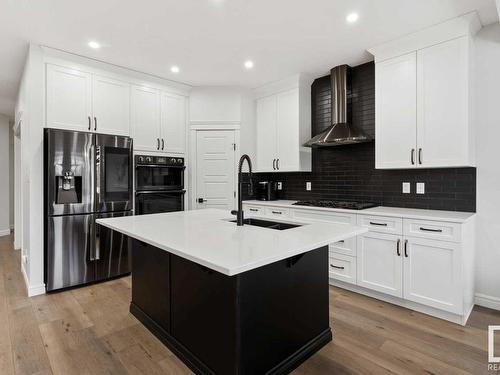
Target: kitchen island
x: 230, y: 299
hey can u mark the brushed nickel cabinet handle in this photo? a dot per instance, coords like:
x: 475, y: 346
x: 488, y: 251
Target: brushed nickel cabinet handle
x: 431, y: 230
x: 337, y: 267
x: 379, y: 224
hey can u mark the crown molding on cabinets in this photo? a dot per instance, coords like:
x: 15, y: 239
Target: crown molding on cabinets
x: 63, y: 58
x: 466, y: 25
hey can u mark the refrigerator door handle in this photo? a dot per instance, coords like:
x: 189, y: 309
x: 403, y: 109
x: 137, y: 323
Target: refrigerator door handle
x: 88, y: 235
x: 97, y: 242
x: 98, y: 175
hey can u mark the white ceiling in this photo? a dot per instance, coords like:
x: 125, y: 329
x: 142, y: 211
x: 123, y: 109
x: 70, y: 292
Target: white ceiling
x: 210, y: 39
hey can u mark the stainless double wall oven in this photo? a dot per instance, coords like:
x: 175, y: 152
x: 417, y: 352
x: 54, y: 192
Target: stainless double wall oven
x: 87, y: 176
x: 159, y: 184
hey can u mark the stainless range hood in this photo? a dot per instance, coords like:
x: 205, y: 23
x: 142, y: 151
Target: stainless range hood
x: 342, y: 131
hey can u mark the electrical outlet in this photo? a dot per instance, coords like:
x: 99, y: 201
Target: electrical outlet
x: 406, y: 188
x: 420, y: 187
x: 280, y: 186
x: 308, y: 186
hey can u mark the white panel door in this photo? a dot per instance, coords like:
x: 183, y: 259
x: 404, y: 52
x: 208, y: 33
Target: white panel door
x: 173, y: 123
x: 111, y: 105
x: 287, y: 133
x: 442, y: 129
x: 266, y: 134
x: 380, y: 263
x: 396, y: 112
x: 432, y: 273
x: 215, y: 169
x: 145, y: 111
x: 68, y: 98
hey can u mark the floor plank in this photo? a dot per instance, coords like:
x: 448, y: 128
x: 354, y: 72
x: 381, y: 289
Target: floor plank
x: 89, y: 330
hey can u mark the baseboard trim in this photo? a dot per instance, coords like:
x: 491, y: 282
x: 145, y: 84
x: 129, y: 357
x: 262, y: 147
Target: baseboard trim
x: 487, y: 301
x: 4, y: 232
x: 32, y: 290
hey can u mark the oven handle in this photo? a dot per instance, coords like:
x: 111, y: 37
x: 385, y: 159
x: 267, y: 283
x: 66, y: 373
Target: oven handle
x: 160, y: 192
x: 159, y: 166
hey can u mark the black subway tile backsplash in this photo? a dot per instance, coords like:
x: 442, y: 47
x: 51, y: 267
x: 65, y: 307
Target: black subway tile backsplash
x: 348, y: 172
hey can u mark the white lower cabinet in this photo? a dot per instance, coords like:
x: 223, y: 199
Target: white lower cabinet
x: 379, y: 263
x: 342, y: 267
x: 423, y: 264
x: 432, y: 273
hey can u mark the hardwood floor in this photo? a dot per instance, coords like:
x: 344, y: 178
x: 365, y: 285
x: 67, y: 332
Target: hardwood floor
x: 90, y: 331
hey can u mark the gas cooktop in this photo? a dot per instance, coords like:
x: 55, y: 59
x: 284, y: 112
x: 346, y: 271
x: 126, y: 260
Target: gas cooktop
x: 336, y: 204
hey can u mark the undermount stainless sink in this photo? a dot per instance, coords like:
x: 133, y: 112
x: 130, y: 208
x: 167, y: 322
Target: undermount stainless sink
x: 268, y: 224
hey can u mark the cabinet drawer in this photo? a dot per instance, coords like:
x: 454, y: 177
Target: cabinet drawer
x: 346, y: 247
x: 383, y: 224
x: 437, y: 230
x: 254, y: 210
x: 277, y: 212
x: 342, y: 267
x: 333, y: 217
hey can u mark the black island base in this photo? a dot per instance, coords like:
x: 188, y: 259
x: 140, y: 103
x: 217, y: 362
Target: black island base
x: 265, y: 321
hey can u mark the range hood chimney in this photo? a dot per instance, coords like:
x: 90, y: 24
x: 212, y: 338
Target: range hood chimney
x: 341, y: 131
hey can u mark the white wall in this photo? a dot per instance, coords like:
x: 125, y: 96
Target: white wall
x: 4, y: 176
x: 487, y: 114
x: 215, y: 104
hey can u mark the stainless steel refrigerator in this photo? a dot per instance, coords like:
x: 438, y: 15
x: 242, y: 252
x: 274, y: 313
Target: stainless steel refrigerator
x: 87, y: 176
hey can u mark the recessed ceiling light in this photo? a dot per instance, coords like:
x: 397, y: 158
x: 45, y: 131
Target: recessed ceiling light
x: 249, y: 64
x: 352, y: 17
x: 175, y: 69
x: 93, y: 44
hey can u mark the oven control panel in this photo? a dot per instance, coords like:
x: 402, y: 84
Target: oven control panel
x: 159, y: 160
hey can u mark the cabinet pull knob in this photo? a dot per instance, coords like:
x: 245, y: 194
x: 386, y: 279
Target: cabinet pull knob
x: 420, y: 156
x: 337, y: 267
x: 412, y: 156
x: 90, y: 122
x: 254, y: 210
x: 278, y: 164
x: 274, y: 164
x: 95, y: 123
x: 277, y: 212
x: 406, y: 248
x: 398, y: 250
x: 162, y: 144
x: 157, y: 143
x: 379, y: 224
x: 431, y: 230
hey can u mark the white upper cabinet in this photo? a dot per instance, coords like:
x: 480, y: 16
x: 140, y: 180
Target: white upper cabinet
x: 84, y: 98
x: 111, y: 105
x: 283, y: 113
x: 396, y: 112
x: 173, y: 123
x: 145, y: 113
x: 423, y: 98
x: 287, y: 129
x: 443, y: 135
x: 68, y: 98
x: 266, y: 134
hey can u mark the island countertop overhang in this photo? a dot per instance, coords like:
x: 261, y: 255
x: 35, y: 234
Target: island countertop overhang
x: 207, y: 237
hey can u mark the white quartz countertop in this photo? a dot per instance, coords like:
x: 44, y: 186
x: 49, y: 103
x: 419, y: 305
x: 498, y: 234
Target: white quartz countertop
x: 207, y: 237
x: 409, y: 213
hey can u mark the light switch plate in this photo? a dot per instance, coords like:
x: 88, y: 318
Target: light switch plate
x: 406, y: 188
x: 308, y: 186
x: 280, y: 186
x: 420, y: 187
